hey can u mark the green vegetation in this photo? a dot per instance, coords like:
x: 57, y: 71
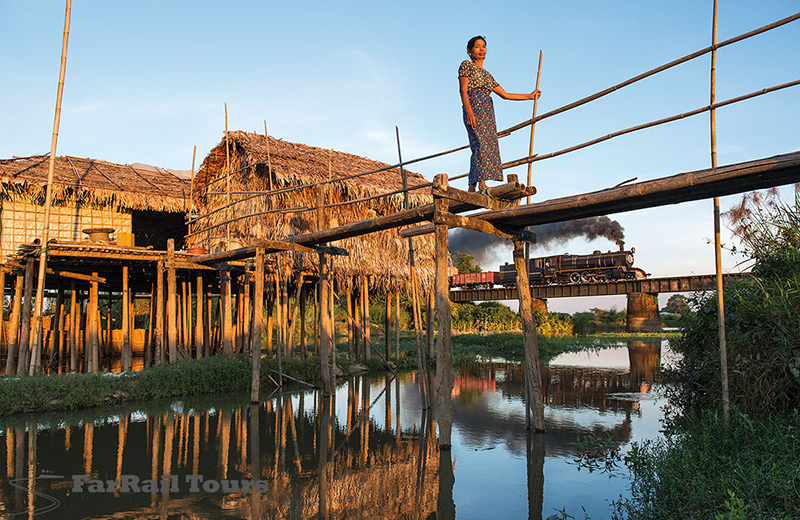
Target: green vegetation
x: 465, y: 263
x: 745, y: 467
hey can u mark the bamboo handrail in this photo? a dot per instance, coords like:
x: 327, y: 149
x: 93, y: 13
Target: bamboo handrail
x: 694, y: 112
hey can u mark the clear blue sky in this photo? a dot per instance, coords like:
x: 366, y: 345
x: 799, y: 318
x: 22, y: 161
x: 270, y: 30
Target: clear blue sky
x: 146, y: 81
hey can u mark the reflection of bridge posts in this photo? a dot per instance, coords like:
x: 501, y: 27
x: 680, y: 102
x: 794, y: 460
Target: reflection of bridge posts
x: 535, y: 459
x: 642, y: 313
x: 645, y: 358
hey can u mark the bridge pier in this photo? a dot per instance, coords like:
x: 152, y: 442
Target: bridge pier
x: 642, y: 315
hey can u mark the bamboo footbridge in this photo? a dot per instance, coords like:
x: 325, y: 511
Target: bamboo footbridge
x: 289, y: 223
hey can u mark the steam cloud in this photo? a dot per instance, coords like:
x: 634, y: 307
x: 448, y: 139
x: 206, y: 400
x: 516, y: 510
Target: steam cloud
x: 486, y: 249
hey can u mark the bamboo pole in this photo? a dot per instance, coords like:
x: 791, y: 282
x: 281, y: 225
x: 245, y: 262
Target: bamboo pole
x: 444, y: 353
x: 397, y: 326
x: 226, y: 305
x: 228, y: 181
x: 723, y: 349
x: 298, y: 294
x: 58, y: 328
x: 191, y: 189
x: 350, y: 326
x: 303, y: 298
x: 37, y: 315
x: 258, y: 321
x: 13, y: 325
x: 324, y: 305
x: 94, y: 289
x: 269, y: 161
x: 151, y: 326
x: 387, y: 324
x: 365, y: 323
x: 430, y: 328
x: 207, y: 322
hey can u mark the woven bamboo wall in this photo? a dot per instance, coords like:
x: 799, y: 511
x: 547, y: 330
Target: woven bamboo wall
x: 22, y: 222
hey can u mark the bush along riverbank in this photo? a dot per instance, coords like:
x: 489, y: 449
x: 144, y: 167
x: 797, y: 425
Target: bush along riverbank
x: 747, y: 466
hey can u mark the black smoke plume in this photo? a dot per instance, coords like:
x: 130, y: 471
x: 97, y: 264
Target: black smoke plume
x: 487, y: 249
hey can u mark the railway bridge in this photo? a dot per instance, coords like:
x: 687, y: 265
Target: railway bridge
x: 642, y: 311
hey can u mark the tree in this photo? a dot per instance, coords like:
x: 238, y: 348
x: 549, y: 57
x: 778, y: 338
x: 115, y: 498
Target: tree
x: 677, y: 304
x: 466, y: 263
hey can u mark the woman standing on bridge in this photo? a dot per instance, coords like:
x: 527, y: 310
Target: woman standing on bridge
x: 476, y: 85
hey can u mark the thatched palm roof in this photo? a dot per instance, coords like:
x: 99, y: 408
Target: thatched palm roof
x: 95, y: 183
x: 287, y: 213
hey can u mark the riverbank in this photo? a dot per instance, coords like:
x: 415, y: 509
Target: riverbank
x: 226, y: 374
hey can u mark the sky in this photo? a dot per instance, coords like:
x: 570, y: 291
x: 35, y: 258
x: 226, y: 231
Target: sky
x: 147, y: 81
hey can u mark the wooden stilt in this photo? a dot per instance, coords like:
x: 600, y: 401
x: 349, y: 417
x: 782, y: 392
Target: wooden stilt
x: 226, y: 305
x: 387, y: 324
x: 74, y: 320
x: 58, y: 326
x: 366, y: 325
x: 159, y: 296
x: 172, y: 317
x: 151, y: 327
x: 397, y: 326
x: 25, y: 321
x: 258, y: 318
x: 430, y: 324
x: 186, y: 316
x: 331, y: 294
x: 13, y: 325
x: 108, y: 342
x: 444, y: 354
x: 303, y: 298
x: 536, y: 401
x: 207, y: 319
x: 298, y: 297
x: 270, y: 321
x: 247, y: 302
x: 93, y: 326
x: 357, y: 306
x: 240, y: 316
x: 324, y: 306
x: 199, y: 330
x: 350, y: 311
x: 126, y: 354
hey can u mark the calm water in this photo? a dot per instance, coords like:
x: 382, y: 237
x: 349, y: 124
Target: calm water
x: 370, y: 452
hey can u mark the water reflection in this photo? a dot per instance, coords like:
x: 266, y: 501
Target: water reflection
x: 368, y: 451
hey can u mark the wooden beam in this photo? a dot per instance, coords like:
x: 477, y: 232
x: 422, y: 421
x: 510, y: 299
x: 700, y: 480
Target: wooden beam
x: 76, y: 276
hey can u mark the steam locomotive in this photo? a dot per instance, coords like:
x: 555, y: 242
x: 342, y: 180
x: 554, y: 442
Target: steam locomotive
x: 559, y: 269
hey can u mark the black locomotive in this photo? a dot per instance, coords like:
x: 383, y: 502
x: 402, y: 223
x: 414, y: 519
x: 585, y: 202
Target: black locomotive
x: 558, y: 269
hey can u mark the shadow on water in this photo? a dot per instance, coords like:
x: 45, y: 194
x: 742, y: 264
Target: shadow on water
x: 368, y: 451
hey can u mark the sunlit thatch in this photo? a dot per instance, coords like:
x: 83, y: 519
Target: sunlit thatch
x: 383, y: 255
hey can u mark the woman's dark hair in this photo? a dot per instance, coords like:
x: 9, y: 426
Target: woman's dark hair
x: 471, y: 42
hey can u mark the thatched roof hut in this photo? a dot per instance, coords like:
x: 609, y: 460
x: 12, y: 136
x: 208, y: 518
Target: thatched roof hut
x: 265, y: 206
x: 89, y: 193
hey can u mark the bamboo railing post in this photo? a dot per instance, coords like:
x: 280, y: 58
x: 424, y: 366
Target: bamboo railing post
x: 127, y: 361
x: 444, y: 354
x: 159, y: 296
x: 13, y: 325
x: 723, y: 348
x: 172, y: 317
x: 258, y: 321
x: 536, y: 401
x: 25, y: 332
x: 73, y: 328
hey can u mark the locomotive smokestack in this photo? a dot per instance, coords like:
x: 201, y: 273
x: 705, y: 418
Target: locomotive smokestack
x: 486, y: 249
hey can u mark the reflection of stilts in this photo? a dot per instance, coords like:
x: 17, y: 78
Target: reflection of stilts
x: 123, y: 434
x: 255, y: 460
x: 535, y: 459
x: 422, y: 460
x: 445, y: 506
x: 322, y: 447
x: 88, y: 447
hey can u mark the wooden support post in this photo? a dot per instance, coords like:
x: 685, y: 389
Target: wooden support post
x: 331, y: 294
x: 387, y: 324
x: 350, y: 311
x: 207, y: 320
x: 430, y: 324
x: 186, y: 315
x: 172, y: 309
x: 535, y: 402
x: 3, y: 335
x: 13, y: 325
x: 365, y: 321
x: 126, y: 354
x: 298, y: 293
x: 278, y: 322
x: 73, y: 328
x: 151, y: 326
x: 270, y: 321
x: 357, y: 305
x: 258, y: 321
x: 240, y: 315
x: 108, y: 343
x: 247, y: 343
x: 397, y: 327
x: 58, y: 325
x: 93, y: 326
x: 199, y: 329
x: 324, y: 305
x: 225, y: 305
x: 444, y: 353
x: 303, y: 298
x: 159, y: 296
x: 25, y: 322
